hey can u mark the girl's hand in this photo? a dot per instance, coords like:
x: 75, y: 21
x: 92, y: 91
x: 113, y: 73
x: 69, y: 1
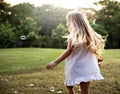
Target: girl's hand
x: 100, y: 59
x: 51, y: 65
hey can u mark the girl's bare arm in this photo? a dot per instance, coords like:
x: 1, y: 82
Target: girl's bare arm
x: 65, y: 54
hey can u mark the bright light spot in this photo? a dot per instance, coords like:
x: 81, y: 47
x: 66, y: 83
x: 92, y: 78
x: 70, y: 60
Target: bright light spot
x: 63, y: 3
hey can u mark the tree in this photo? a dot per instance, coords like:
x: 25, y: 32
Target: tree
x: 7, y: 36
x: 33, y: 40
x: 30, y: 30
x: 109, y: 17
x: 99, y: 28
x: 57, y: 40
x: 20, y: 12
x: 48, y: 17
x: 28, y: 25
x: 5, y: 11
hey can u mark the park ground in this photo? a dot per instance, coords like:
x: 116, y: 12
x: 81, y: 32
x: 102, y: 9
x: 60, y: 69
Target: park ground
x: 22, y: 72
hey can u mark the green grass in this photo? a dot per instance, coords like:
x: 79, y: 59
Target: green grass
x: 25, y: 59
x: 20, y: 67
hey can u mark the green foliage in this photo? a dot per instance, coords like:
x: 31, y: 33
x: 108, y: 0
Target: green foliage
x: 57, y: 39
x: 99, y: 29
x: 4, y: 11
x: 20, y: 12
x: 48, y: 17
x: 109, y: 17
x: 32, y: 36
x: 7, y: 36
x: 29, y: 28
x: 32, y: 39
x: 28, y: 25
x: 25, y: 19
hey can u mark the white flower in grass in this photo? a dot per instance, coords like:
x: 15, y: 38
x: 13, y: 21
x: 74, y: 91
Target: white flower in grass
x: 52, y: 89
x: 59, y: 92
x: 15, y: 92
x: 31, y: 85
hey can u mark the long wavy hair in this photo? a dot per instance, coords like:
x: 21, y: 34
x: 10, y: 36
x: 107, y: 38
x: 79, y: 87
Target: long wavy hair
x: 80, y: 32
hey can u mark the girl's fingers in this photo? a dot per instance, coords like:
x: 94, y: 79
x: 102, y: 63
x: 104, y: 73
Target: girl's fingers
x: 49, y: 66
x: 100, y: 59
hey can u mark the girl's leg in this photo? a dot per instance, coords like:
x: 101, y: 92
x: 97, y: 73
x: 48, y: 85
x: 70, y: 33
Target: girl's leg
x: 70, y: 90
x: 85, y: 87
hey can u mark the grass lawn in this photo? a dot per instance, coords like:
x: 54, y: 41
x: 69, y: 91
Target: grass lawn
x: 22, y: 72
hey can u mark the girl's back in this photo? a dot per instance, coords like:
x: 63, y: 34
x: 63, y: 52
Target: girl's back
x: 81, y: 66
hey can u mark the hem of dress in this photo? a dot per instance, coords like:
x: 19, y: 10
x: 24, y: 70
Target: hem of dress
x: 70, y: 82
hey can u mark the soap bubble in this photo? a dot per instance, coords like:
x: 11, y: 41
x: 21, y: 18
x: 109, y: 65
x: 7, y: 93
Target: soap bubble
x: 52, y: 89
x: 23, y: 37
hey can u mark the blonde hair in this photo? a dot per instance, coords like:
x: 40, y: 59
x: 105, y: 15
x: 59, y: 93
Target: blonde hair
x: 82, y: 33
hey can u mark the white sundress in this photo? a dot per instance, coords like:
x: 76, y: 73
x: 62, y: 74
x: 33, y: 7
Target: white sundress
x: 81, y: 66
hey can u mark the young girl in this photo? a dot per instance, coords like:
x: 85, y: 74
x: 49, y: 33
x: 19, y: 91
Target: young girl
x: 84, y: 46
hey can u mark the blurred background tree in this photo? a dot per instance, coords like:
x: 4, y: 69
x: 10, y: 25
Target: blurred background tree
x: 57, y: 40
x: 48, y: 17
x: 109, y: 17
x: 29, y: 26
x: 6, y: 35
